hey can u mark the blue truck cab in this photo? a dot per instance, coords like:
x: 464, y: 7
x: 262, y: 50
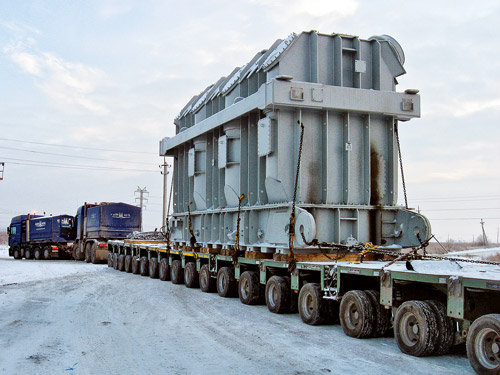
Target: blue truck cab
x: 98, y: 223
x: 41, y: 237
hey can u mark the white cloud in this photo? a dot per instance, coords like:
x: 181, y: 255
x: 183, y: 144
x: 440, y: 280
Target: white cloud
x: 314, y: 8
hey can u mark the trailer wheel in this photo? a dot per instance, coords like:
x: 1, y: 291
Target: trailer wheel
x: 115, y: 261
x: 357, y: 316
x: 382, y: 315
x: 313, y: 309
x: 415, y: 328
x: 144, y: 267
x: 176, y: 272
x: 38, y: 253
x: 164, y: 271
x: 128, y: 264
x: 207, y: 282
x: 121, y: 262
x: 76, y: 251
x: 47, y: 253
x: 278, y: 295
x: 135, y: 265
x: 93, y: 253
x: 16, y: 252
x: 249, y: 289
x: 88, y: 247
x: 445, y: 327
x: 483, y: 344
x: 110, y: 259
x: 153, y: 268
x: 226, y: 283
x: 28, y: 253
x: 191, y: 278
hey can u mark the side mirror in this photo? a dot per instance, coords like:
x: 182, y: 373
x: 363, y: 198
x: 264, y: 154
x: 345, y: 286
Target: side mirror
x: 8, y: 230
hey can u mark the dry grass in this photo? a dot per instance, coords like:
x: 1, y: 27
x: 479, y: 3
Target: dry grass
x: 4, y: 238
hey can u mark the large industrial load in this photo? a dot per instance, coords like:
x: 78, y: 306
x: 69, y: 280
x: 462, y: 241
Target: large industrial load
x: 98, y: 223
x: 41, y: 237
x: 307, y: 127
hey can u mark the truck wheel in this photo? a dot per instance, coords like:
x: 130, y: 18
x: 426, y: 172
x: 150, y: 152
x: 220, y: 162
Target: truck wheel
x: 121, y: 262
x: 88, y: 246
x: 135, y: 265
x: 110, y: 260
x: 207, y: 282
x: 93, y: 253
x: 143, y: 265
x: 382, y: 315
x: 415, y: 328
x: 115, y: 261
x: 164, y: 271
x: 47, y: 253
x: 445, y: 327
x: 76, y: 251
x: 16, y: 252
x: 191, y: 275
x: 128, y: 264
x: 226, y: 283
x: 176, y: 272
x: 38, y: 253
x: 28, y: 253
x: 357, y: 316
x: 278, y: 295
x: 483, y: 344
x: 313, y: 309
x: 249, y: 289
x: 153, y: 268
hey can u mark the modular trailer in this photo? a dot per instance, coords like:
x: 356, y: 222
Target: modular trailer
x: 431, y: 305
x: 41, y: 237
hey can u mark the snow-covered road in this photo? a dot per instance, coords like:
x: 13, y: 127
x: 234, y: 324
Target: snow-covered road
x: 65, y: 317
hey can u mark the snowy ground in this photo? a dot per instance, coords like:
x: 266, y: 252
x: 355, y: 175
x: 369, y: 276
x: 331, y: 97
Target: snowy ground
x: 478, y: 253
x: 65, y: 317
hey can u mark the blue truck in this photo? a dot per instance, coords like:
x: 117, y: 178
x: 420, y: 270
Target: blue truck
x: 98, y: 223
x: 41, y: 237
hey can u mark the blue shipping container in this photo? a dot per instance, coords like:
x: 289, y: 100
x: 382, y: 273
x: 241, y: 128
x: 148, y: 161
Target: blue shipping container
x: 113, y: 220
x: 54, y: 228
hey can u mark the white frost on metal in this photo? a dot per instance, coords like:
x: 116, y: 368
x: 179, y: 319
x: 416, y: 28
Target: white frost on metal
x: 279, y: 50
x: 254, y: 67
x: 233, y: 80
x: 201, y: 101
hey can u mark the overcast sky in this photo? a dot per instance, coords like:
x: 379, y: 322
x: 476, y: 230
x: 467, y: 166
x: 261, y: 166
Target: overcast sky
x: 112, y: 75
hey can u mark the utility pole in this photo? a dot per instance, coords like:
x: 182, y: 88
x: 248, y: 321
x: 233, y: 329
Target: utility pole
x: 2, y: 166
x: 485, y: 241
x: 165, y: 173
x: 142, y: 199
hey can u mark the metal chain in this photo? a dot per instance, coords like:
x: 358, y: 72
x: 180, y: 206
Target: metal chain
x: 291, y: 227
x: 192, y: 240
x: 400, y: 162
x: 236, y: 249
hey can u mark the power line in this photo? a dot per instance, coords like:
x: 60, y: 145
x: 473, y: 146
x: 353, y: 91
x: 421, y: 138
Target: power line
x: 448, y: 198
x: 463, y: 209
x: 73, y: 156
x: 81, y: 147
x: 72, y: 166
x: 466, y: 218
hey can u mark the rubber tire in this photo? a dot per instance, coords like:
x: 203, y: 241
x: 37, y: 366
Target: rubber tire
x: 191, y: 278
x: 37, y: 252
x: 446, y: 328
x: 144, y: 266
x: 278, y: 295
x: 382, y: 315
x: 88, y: 247
x: 153, y: 268
x: 16, y: 252
x: 313, y: 309
x: 47, y: 253
x: 357, y: 315
x: 164, y: 270
x: 486, y: 324
x: 226, y: 283
x: 127, y: 264
x: 76, y: 252
x: 176, y: 272
x: 249, y: 288
x: 115, y: 260
x: 425, y: 317
x: 110, y: 260
x: 121, y: 262
x: 207, y: 282
x: 135, y: 265
x: 28, y: 253
x: 93, y: 253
